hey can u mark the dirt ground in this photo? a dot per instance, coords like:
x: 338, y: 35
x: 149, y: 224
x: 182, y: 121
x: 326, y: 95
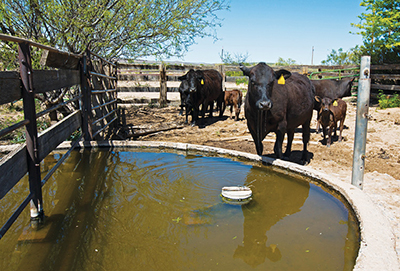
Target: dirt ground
x: 382, y: 163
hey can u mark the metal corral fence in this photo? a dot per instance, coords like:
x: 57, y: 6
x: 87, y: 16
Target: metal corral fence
x: 163, y: 78
x: 92, y: 108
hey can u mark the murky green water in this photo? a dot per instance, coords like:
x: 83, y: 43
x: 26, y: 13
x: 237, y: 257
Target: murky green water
x: 128, y: 210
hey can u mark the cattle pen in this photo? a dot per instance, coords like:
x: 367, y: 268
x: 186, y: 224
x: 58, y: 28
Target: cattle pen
x: 93, y: 117
x: 92, y: 110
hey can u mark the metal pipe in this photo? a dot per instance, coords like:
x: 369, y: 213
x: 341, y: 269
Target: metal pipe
x: 105, y: 126
x: 103, y: 59
x: 14, y: 216
x: 38, y: 45
x: 360, y: 137
x: 105, y: 104
x: 101, y: 91
x: 103, y: 117
x: 65, y: 156
x: 44, y: 112
x: 13, y: 127
x: 102, y: 75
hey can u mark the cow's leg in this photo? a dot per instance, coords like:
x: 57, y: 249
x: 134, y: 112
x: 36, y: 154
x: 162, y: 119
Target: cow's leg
x: 201, y: 121
x: 221, y: 104
x: 330, y: 131
x: 324, y: 133
x: 222, y: 110
x: 280, y: 134
x: 341, y: 129
x: 188, y: 111
x: 182, y: 105
x: 278, y: 144
x: 290, y: 136
x: 306, y: 138
x: 318, y: 123
x: 237, y: 112
x: 195, y: 115
x: 211, y: 107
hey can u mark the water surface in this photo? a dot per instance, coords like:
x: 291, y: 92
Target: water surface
x: 152, y: 210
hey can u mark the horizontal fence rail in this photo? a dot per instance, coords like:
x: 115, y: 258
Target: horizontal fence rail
x: 93, y: 80
x: 146, y: 77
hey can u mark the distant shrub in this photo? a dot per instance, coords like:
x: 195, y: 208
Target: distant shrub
x: 234, y: 73
x: 386, y: 101
x: 243, y: 80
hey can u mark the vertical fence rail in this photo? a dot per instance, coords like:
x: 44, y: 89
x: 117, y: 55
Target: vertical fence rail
x: 33, y: 162
x: 360, y: 138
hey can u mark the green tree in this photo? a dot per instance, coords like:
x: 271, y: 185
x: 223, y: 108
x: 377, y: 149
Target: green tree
x: 283, y: 62
x: 113, y: 28
x: 228, y: 58
x: 340, y: 57
x: 380, y: 29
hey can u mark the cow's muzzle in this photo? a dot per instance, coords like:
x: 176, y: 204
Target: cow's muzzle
x: 264, y: 105
x: 192, y: 90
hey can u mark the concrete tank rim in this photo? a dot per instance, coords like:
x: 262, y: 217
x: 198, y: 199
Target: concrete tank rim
x: 377, y: 245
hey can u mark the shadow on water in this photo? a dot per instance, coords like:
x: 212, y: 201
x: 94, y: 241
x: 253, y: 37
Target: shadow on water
x: 272, y: 202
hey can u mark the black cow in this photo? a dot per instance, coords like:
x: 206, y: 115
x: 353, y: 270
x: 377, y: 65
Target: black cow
x: 205, y: 87
x: 185, y: 101
x: 278, y: 102
x: 333, y: 89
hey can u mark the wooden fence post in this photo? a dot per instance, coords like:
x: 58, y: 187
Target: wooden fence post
x: 35, y: 186
x: 163, y: 85
x: 86, y: 100
x: 222, y: 72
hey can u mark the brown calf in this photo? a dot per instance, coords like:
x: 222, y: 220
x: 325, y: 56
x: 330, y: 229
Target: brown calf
x: 234, y: 99
x: 331, y: 111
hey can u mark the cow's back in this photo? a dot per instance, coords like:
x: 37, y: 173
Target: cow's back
x: 213, y: 84
x: 339, y: 111
x: 332, y: 88
x: 298, y: 99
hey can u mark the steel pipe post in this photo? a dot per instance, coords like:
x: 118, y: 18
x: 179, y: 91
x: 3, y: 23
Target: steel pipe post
x: 360, y: 137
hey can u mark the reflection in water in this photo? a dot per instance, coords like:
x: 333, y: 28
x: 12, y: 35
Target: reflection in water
x: 128, y: 210
x: 273, y: 200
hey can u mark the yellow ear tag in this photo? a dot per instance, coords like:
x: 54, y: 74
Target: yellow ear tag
x: 335, y: 103
x: 281, y: 80
x: 202, y: 82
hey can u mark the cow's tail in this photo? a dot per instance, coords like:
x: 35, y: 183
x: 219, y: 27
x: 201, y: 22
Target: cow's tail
x: 260, y: 129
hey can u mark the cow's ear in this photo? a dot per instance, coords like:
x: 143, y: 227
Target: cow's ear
x: 286, y: 74
x: 181, y: 78
x: 245, y: 70
x: 318, y: 99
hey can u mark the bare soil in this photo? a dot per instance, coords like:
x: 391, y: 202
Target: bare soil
x: 382, y: 163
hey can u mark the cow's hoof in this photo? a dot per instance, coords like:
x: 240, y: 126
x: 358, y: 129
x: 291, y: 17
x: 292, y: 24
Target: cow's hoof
x: 305, y: 162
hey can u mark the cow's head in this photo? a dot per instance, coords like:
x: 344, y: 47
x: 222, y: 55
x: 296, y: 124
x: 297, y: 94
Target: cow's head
x: 325, y: 103
x: 262, y: 80
x: 194, y: 78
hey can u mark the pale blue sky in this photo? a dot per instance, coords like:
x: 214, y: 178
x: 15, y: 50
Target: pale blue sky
x: 267, y: 30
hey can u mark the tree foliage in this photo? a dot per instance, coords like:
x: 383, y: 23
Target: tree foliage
x: 340, y: 57
x: 235, y: 59
x: 113, y: 28
x: 380, y: 29
x: 285, y: 62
